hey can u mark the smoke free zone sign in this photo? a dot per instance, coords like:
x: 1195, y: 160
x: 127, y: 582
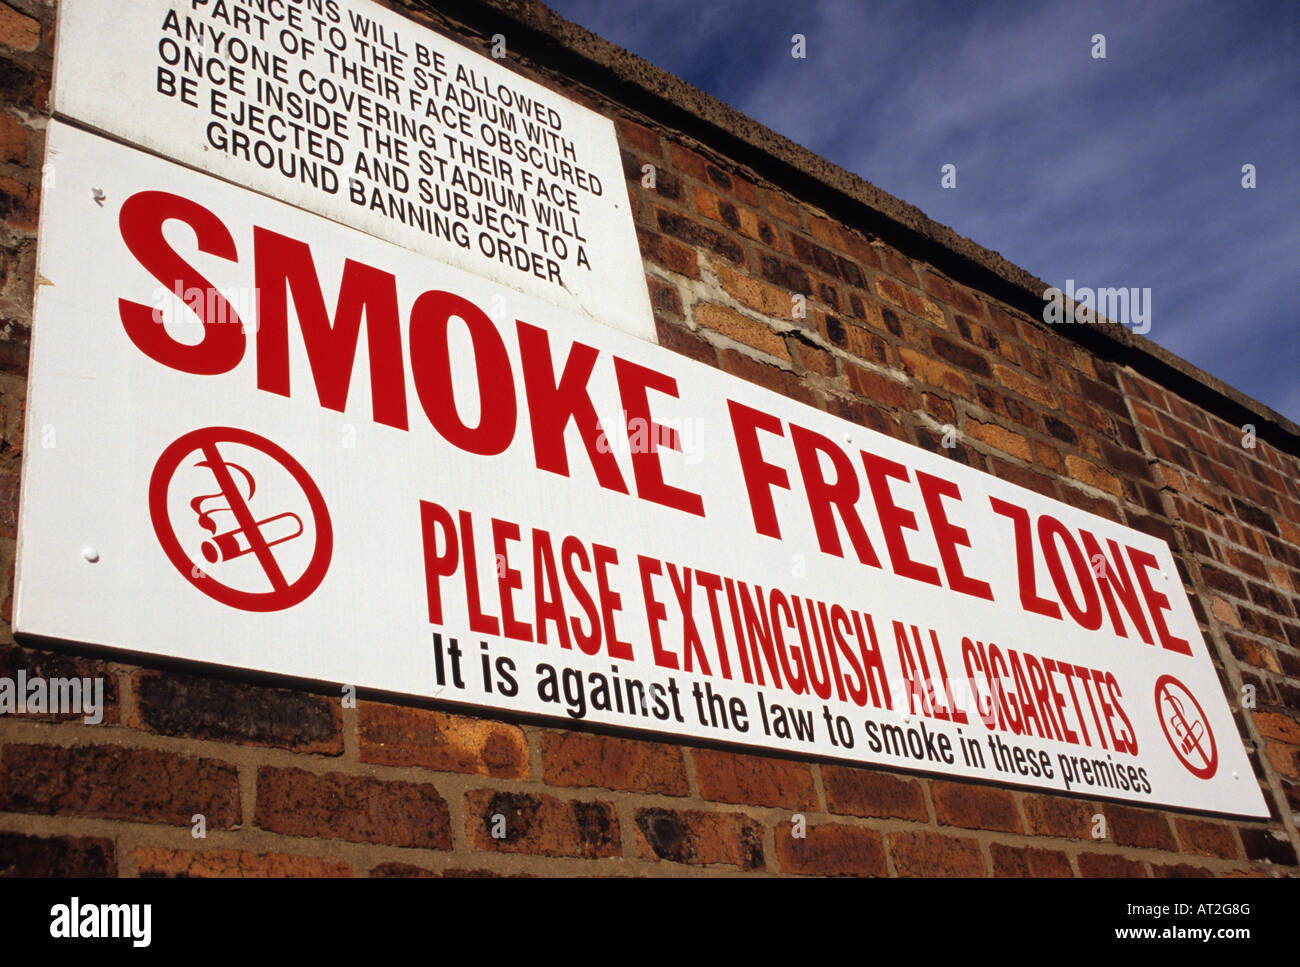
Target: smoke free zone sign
x: 388, y: 473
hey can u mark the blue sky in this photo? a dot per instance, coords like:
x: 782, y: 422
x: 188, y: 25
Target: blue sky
x: 1117, y: 172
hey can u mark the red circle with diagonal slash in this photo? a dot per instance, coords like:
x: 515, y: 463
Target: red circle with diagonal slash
x: 1183, y: 734
x: 283, y: 593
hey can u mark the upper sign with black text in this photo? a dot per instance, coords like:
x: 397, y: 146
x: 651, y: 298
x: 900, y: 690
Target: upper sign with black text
x: 354, y: 112
x: 260, y: 439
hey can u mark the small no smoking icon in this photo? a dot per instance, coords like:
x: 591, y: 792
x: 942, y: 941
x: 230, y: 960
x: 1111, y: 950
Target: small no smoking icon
x: 240, y: 519
x: 1186, y: 727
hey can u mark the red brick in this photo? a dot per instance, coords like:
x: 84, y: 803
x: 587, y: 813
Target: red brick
x: 700, y: 838
x: 813, y: 360
x: 24, y: 86
x: 1000, y: 438
x: 19, y: 203
x: 667, y: 253
x: 638, y: 136
x: 391, y: 735
x: 405, y: 871
x: 664, y: 296
x: 741, y: 328
x: 863, y: 792
x: 159, y: 861
x: 932, y: 854
x: 881, y: 389
x: 582, y: 759
x: 770, y: 377
x: 974, y: 807
x: 1275, y: 725
x: 687, y: 161
x: 358, y: 809
x: 1028, y: 861
x: 542, y: 824
x: 17, y: 30
x: 61, y: 856
x: 681, y: 340
x: 1056, y: 816
x: 1138, y: 827
x: 691, y: 232
x: 783, y: 208
x: 111, y: 782
x: 753, y: 780
x: 13, y: 140
x: 1180, y: 871
x: 50, y: 665
x: 831, y: 851
x: 189, y: 706
x: 1109, y: 865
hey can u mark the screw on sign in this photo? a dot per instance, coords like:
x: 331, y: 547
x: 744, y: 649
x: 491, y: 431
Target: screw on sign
x: 1186, y: 727
x: 240, y: 519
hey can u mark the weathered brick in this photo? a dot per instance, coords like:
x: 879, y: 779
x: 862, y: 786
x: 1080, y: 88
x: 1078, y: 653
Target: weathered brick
x: 668, y: 254
x: 812, y: 359
x: 18, y: 203
x: 638, y: 136
x: 882, y: 389
x: 700, y: 838
x: 24, y: 86
x: 162, y: 862
x: 1018, y: 383
x: 696, y: 233
x: 51, y: 665
x: 226, y: 711
x: 541, y: 824
x: 741, y: 328
x: 664, y: 296
x: 1089, y: 473
x: 1000, y: 438
x: 770, y: 377
x: 1057, y: 816
x: 786, y: 274
x: 1109, y: 865
x: 610, y: 762
x: 681, y: 340
x: 831, y: 850
x: 114, y: 782
x: 1276, y: 725
x: 17, y: 30
x: 864, y: 792
x: 392, y: 735
x: 753, y: 780
x: 933, y: 854
x: 13, y: 140
x: 782, y: 207
x: 687, y: 161
x: 974, y: 806
x: 763, y: 297
x: 1179, y: 871
x: 48, y: 856
x: 1029, y: 861
x: 358, y: 809
x: 959, y: 355
x: 937, y: 374
x: 1138, y: 827
x: 1206, y: 838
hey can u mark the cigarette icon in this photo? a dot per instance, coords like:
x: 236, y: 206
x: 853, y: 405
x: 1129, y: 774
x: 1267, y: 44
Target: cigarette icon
x: 235, y: 543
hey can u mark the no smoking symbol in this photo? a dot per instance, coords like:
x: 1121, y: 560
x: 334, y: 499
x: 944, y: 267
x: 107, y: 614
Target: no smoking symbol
x: 1186, y: 726
x: 240, y: 519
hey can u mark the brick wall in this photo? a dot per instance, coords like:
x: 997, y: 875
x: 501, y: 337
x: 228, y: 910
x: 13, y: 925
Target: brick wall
x: 289, y: 781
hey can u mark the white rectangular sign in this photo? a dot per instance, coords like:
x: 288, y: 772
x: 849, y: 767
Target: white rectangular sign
x: 333, y: 459
x: 354, y: 112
